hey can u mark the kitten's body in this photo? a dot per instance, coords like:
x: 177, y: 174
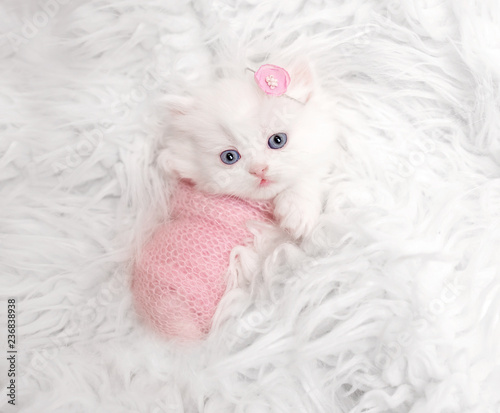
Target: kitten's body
x: 235, y: 114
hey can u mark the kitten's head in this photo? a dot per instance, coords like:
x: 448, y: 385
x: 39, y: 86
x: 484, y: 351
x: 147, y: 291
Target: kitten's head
x: 234, y: 139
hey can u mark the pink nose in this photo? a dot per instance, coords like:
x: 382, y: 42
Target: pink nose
x: 259, y: 170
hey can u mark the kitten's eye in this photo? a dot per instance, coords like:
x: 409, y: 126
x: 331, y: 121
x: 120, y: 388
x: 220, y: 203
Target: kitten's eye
x: 230, y: 156
x: 277, y: 141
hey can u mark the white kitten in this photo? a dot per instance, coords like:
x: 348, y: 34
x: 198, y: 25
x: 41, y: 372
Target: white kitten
x: 232, y: 138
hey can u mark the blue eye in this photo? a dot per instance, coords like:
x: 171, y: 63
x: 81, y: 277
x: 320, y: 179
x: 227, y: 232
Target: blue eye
x: 277, y: 141
x: 230, y: 156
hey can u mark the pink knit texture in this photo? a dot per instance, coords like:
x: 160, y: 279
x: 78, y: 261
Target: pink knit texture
x: 180, y: 275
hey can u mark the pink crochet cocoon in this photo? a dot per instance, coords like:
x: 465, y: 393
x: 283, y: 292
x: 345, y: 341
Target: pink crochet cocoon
x: 180, y: 275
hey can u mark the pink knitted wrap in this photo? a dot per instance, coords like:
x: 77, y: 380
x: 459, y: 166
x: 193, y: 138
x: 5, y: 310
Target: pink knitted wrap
x: 180, y: 275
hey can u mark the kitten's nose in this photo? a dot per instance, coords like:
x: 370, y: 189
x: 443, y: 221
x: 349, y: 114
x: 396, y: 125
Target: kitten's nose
x: 259, y: 170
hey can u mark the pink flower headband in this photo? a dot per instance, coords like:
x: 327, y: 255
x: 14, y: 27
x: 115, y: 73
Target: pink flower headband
x: 273, y: 80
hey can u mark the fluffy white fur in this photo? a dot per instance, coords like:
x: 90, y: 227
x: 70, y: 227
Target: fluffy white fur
x: 233, y: 113
x: 392, y: 302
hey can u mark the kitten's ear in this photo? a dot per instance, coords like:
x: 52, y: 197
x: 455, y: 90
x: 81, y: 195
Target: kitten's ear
x: 178, y: 151
x: 179, y: 110
x: 301, y: 81
x: 178, y: 106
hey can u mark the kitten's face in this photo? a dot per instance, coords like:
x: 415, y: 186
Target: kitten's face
x: 234, y: 139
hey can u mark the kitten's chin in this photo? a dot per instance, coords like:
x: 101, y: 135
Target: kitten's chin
x: 264, y: 183
x: 261, y: 191
x: 265, y: 191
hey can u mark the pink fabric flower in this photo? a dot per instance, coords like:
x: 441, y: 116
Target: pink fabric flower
x: 272, y: 79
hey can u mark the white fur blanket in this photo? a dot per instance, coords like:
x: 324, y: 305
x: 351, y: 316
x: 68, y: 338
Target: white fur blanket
x: 392, y: 306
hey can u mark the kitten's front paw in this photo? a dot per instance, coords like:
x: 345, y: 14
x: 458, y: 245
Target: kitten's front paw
x: 296, y: 215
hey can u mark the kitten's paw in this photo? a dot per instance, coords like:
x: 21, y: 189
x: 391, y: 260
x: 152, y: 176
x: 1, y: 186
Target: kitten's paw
x: 298, y: 216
